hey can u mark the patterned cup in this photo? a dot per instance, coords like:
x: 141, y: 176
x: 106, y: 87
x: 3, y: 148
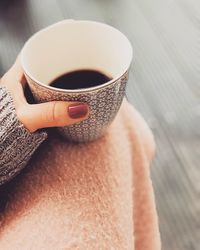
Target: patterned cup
x: 73, y: 45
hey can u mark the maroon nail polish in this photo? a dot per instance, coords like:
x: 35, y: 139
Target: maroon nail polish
x: 77, y: 110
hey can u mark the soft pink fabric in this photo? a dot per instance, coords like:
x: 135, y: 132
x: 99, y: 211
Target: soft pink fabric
x: 86, y: 196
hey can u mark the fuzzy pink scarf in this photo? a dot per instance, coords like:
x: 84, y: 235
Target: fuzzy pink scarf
x: 86, y: 196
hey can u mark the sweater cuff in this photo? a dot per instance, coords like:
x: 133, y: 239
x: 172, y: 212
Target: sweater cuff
x: 17, y: 144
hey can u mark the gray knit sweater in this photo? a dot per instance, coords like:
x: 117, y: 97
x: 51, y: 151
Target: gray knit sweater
x: 17, y: 144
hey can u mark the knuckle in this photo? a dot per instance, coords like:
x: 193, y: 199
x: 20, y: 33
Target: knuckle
x: 20, y: 110
x: 22, y: 114
x: 51, y: 113
x: 3, y: 80
x: 6, y: 78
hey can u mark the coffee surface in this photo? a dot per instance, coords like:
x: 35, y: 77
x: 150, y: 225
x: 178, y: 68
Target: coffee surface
x: 80, y: 79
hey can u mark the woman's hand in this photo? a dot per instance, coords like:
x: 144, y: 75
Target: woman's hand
x: 36, y: 116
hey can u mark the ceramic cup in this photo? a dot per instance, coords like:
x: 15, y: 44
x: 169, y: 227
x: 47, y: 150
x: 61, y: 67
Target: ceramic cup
x: 73, y: 45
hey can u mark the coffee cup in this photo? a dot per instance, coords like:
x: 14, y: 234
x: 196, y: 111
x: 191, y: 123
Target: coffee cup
x: 74, y: 45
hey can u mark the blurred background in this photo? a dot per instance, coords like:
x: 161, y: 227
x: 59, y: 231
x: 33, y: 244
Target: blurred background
x: 164, y: 86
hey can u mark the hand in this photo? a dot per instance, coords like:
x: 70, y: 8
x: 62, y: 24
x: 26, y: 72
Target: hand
x: 36, y: 116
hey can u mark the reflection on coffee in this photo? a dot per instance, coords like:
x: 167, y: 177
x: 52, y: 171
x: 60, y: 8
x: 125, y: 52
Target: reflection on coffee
x: 80, y: 79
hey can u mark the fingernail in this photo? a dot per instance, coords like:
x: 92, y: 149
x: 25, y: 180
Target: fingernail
x: 78, y: 110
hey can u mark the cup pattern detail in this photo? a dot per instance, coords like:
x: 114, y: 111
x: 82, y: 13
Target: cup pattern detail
x: 104, y: 103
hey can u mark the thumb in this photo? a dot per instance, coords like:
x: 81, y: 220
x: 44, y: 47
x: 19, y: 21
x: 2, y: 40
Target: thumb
x: 52, y: 114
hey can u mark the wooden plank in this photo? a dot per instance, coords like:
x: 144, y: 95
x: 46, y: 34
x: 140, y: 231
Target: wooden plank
x: 178, y: 35
x: 175, y: 169
x: 82, y: 9
x: 191, y: 9
x: 177, y: 200
x: 18, y: 21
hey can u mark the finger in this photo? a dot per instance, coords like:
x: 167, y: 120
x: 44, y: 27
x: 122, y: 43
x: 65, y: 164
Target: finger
x: 15, y: 74
x: 53, y: 114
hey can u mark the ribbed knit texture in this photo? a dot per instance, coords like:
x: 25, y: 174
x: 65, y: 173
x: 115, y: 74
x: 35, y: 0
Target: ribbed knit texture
x: 17, y: 144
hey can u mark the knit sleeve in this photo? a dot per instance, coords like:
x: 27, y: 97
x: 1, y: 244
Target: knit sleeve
x: 17, y: 144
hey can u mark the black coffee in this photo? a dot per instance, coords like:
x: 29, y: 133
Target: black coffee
x: 80, y: 79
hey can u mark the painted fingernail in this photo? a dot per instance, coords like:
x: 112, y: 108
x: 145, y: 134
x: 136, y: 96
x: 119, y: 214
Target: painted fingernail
x: 78, y: 110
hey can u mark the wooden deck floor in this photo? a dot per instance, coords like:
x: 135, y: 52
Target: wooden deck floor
x: 164, y: 86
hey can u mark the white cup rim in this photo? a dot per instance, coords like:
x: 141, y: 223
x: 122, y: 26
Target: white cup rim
x: 27, y: 73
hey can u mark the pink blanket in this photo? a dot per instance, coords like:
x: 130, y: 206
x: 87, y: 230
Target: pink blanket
x: 86, y: 196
